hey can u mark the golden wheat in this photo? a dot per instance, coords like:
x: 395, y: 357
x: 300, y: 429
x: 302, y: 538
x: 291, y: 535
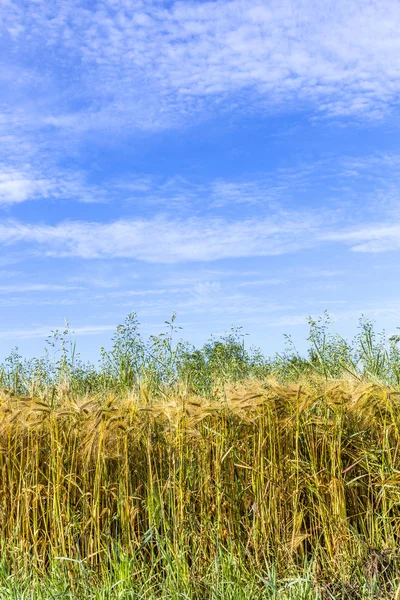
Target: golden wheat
x: 286, y: 472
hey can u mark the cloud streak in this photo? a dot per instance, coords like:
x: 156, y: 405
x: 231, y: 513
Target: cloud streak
x: 372, y: 238
x: 163, y: 240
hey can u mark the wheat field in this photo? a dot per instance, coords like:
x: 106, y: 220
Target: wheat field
x: 267, y: 486
x: 266, y: 476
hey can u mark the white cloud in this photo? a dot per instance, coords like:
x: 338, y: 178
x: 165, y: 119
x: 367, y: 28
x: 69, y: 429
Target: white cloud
x: 162, y: 240
x: 323, y: 180
x: 165, y: 240
x: 14, y: 187
x: 28, y: 183
x: 372, y: 238
x: 155, y: 64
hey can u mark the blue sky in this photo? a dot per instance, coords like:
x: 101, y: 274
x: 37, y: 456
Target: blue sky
x: 235, y: 161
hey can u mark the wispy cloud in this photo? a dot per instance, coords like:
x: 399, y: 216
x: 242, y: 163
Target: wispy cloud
x: 269, y: 189
x: 376, y: 237
x: 167, y: 241
x: 151, y: 64
x: 319, y: 181
x: 29, y: 183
